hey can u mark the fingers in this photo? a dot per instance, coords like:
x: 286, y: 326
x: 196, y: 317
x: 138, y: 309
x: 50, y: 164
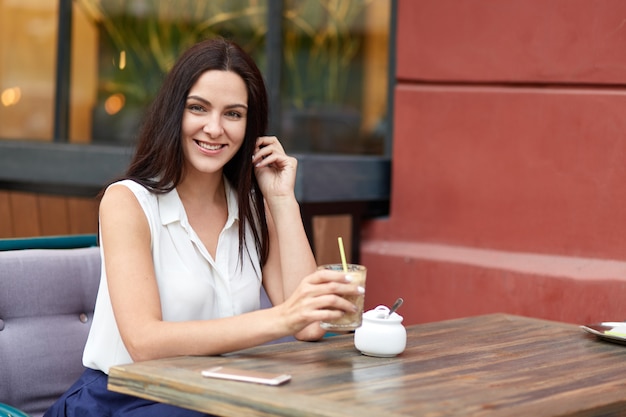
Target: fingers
x: 336, y: 282
x: 264, y: 141
x: 331, y: 290
x: 333, y: 303
x: 268, y: 150
x: 322, y: 296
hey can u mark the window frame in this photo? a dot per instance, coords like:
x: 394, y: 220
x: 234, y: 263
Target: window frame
x: 62, y: 168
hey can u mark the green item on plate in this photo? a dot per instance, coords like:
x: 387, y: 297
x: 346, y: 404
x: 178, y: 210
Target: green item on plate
x: 617, y: 333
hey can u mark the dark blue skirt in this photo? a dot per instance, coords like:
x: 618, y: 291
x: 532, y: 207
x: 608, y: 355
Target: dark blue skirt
x: 89, y: 397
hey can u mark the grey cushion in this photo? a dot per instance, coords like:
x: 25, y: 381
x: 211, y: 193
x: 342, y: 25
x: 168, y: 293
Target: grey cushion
x: 47, y: 299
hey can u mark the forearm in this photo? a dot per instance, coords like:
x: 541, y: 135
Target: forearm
x: 296, y: 256
x: 160, y: 339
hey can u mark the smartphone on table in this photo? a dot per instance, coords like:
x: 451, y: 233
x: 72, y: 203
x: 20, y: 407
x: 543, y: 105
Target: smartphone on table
x: 244, y: 375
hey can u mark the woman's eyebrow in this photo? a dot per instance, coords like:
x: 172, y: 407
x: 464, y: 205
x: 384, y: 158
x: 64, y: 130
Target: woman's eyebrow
x: 207, y: 102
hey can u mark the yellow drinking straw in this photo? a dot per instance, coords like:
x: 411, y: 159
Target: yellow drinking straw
x: 343, y: 254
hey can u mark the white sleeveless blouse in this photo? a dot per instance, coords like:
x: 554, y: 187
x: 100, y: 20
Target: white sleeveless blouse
x: 192, y: 285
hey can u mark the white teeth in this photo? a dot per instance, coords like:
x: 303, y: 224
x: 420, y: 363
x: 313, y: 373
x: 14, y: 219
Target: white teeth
x: 209, y: 147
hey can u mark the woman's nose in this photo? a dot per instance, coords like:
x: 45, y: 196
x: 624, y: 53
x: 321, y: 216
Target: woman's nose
x: 213, y: 126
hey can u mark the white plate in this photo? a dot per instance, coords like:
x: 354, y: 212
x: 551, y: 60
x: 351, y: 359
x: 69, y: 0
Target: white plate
x: 600, y: 329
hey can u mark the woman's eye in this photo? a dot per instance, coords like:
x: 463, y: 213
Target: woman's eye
x: 195, y: 108
x: 234, y: 115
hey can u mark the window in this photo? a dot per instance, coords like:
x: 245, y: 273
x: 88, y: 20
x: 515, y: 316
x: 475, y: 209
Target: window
x: 27, y: 59
x: 325, y: 62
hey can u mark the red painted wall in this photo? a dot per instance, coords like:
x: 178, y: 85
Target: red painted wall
x: 509, y: 144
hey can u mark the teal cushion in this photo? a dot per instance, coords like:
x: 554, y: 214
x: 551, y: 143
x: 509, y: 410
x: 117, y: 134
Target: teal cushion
x: 49, y: 242
x: 8, y: 411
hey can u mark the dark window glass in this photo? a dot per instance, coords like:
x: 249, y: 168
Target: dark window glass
x: 334, y: 89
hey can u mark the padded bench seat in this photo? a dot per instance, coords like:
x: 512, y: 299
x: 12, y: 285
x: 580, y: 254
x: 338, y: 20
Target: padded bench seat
x: 47, y: 299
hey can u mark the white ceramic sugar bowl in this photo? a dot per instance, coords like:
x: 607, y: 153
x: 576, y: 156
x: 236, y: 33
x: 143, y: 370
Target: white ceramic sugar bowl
x: 380, y: 335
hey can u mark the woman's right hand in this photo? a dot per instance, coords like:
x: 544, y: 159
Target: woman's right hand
x: 319, y: 297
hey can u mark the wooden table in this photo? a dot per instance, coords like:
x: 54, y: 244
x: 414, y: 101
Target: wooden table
x: 494, y: 365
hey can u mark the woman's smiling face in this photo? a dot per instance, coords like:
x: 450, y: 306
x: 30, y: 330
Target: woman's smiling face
x: 214, y: 121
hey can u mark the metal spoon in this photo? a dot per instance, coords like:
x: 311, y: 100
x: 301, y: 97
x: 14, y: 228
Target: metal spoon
x: 395, y: 306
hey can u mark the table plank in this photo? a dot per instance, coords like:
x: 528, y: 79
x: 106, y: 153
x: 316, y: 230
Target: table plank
x: 495, y: 365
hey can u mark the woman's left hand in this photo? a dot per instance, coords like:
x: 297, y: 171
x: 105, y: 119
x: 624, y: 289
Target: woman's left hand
x: 275, y: 171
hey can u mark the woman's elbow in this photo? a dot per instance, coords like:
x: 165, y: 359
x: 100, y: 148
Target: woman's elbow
x: 311, y: 333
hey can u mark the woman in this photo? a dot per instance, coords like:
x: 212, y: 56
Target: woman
x: 206, y: 215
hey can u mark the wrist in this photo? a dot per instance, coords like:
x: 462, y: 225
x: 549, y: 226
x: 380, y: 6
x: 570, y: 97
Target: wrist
x: 283, y: 320
x: 280, y: 204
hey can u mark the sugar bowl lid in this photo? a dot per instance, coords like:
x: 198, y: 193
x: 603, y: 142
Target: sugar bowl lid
x: 381, y: 313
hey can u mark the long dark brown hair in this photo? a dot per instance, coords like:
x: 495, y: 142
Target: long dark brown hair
x: 158, y: 162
